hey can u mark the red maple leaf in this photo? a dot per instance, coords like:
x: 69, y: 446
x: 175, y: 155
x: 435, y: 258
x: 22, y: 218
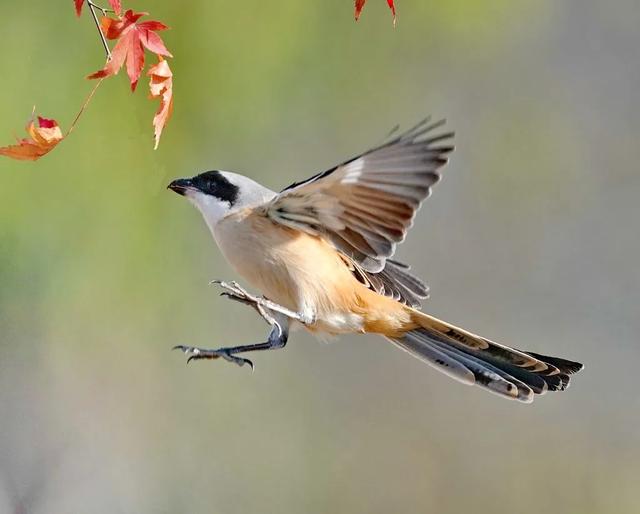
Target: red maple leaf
x: 42, y: 140
x: 133, y: 38
x: 161, y: 86
x: 360, y: 5
x: 116, y: 5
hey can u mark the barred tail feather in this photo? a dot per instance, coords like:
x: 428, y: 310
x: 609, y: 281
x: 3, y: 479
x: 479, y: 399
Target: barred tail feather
x: 474, y: 360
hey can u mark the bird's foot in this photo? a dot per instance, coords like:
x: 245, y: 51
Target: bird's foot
x: 264, y: 306
x: 235, y: 292
x: 194, y: 353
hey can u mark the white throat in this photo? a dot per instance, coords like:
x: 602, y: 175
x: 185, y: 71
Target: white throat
x: 212, y: 209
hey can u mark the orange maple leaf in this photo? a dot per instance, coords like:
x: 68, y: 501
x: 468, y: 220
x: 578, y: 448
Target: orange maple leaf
x: 116, y: 5
x: 161, y: 86
x: 132, y: 38
x: 42, y: 140
x: 360, y: 5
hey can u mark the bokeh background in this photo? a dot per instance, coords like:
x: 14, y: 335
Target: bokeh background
x: 530, y: 239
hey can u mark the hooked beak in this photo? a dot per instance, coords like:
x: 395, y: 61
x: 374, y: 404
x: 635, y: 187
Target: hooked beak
x: 181, y: 186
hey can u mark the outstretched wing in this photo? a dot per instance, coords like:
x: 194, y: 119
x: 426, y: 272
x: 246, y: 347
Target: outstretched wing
x: 366, y: 205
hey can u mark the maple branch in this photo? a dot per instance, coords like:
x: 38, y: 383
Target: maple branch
x: 93, y: 6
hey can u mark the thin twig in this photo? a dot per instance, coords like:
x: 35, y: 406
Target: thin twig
x: 84, y: 106
x: 92, y: 6
x: 102, y: 9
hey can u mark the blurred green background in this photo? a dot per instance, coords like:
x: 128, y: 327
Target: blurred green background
x: 530, y: 239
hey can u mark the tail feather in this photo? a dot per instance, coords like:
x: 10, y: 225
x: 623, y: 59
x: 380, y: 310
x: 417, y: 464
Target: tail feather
x: 436, y: 358
x: 500, y: 369
x: 469, y: 370
x: 565, y: 366
x: 540, y: 383
x: 526, y: 384
x: 471, y: 342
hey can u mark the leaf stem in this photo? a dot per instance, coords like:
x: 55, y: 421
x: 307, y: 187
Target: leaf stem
x: 93, y: 6
x: 84, y: 106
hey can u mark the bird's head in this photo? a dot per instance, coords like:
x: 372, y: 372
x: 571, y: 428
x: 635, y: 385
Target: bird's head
x: 219, y: 193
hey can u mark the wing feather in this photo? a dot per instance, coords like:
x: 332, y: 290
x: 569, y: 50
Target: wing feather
x: 394, y: 281
x: 366, y: 205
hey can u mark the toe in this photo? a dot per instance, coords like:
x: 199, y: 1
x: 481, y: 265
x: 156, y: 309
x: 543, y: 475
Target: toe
x: 240, y: 361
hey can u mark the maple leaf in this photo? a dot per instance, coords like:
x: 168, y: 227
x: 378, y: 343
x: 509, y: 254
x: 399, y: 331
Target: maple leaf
x: 161, y: 86
x: 42, y: 140
x: 116, y: 5
x: 360, y: 5
x: 133, y: 38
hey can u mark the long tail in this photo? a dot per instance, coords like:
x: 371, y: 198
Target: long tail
x: 472, y: 359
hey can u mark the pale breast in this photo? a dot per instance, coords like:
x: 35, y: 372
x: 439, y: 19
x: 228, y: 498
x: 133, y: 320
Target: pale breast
x: 299, y: 271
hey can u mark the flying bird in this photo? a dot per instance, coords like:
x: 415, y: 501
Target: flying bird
x: 321, y: 252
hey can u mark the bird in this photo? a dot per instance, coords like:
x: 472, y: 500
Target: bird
x: 320, y: 253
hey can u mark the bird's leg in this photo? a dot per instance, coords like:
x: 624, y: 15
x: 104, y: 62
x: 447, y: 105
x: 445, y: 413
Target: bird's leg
x: 277, y: 339
x: 235, y: 292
